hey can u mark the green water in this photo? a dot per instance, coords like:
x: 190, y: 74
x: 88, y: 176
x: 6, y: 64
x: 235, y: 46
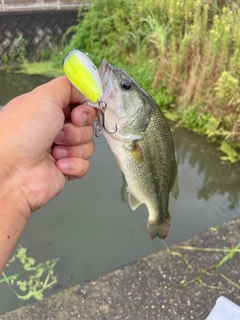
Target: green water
x: 90, y: 225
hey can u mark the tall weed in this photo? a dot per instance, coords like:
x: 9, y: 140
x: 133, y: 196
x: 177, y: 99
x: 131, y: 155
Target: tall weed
x: 200, y: 63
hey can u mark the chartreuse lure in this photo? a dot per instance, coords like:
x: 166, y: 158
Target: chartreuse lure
x: 83, y: 74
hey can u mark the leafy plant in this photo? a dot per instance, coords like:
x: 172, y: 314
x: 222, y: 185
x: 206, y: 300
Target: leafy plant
x: 227, y: 89
x: 21, y: 48
x: 194, y: 120
x: 104, y: 31
x: 231, y: 154
x: 39, y: 277
x: 17, y: 51
x: 5, y: 58
x: 45, y: 54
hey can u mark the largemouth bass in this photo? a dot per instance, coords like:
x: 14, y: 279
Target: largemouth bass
x: 142, y: 145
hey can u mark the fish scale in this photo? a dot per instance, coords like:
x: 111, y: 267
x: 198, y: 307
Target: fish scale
x: 142, y: 145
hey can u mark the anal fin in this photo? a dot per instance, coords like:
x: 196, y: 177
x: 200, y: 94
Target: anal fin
x: 133, y: 201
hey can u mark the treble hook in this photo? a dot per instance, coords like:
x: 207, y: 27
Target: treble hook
x: 98, y: 131
x: 103, y: 107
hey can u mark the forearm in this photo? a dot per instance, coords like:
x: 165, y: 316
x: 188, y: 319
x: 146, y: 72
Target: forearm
x: 14, y: 214
x: 34, y: 163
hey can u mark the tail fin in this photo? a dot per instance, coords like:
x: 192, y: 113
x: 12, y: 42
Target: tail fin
x: 160, y: 229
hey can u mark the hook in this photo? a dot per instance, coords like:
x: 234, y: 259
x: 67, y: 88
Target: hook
x: 103, y: 107
x: 98, y: 131
x: 104, y: 125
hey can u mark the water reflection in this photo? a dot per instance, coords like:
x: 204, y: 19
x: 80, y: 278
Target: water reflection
x: 212, y: 178
x: 217, y: 179
x: 13, y: 84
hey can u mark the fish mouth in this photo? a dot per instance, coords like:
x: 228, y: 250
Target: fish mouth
x: 104, y: 71
x: 106, y: 75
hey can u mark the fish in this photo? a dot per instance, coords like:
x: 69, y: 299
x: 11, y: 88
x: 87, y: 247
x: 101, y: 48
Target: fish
x: 83, y: 74
x: 142, y: 145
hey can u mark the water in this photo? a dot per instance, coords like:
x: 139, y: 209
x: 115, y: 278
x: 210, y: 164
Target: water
x: 90, y: 225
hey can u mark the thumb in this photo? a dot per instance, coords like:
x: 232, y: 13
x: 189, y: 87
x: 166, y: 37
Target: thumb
x: 59, y: 91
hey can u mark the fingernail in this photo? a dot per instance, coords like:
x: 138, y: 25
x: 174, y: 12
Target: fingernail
x: 83, y: 119
x: 63, y: 166
x: 60, y: 137
x: 61, y: 152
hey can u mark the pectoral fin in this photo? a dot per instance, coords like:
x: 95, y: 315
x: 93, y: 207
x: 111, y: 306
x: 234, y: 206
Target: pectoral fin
x: 133, y: 201
x: 136, y: 152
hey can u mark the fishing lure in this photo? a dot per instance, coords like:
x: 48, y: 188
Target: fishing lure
x: 83, y: 74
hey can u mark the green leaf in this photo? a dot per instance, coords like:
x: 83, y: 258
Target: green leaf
x: 211, y: 126
x: 231, y: 154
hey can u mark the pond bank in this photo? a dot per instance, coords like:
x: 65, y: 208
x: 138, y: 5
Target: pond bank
x: 150, y: 287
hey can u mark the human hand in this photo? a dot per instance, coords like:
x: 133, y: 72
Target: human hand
x: 44, y: 143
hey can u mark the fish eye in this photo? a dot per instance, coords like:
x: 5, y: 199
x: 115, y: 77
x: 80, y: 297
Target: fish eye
x: 126, y: 84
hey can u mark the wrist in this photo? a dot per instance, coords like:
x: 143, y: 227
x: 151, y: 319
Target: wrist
x: 14, y: 214
x: 11, y: 195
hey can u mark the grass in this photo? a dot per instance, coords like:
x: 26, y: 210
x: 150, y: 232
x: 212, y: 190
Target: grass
x: 34, y: 278
x: 207, y: 272
x: 45, y: 68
